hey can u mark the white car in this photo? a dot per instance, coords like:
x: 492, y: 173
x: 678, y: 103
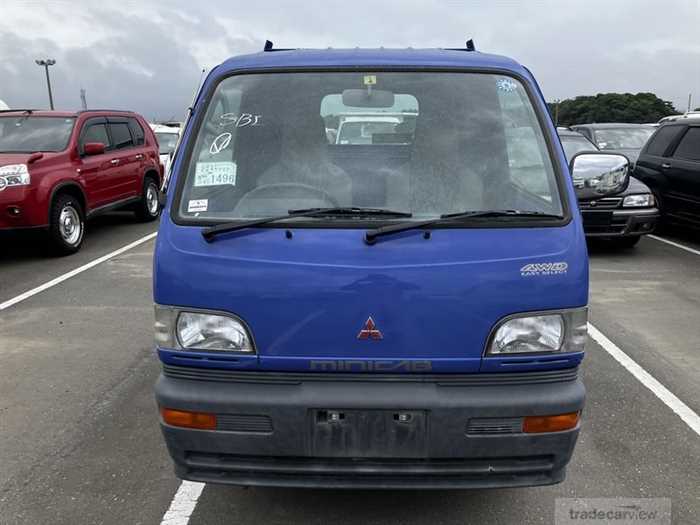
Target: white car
x: 360, y: 129
x: 672, y: 118
x: 167, y: 140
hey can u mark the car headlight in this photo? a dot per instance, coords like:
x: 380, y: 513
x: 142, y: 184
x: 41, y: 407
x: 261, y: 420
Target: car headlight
x: 192, y: 330
x: 644, y: 200
x: 563, y: 331
x: 15, y: 175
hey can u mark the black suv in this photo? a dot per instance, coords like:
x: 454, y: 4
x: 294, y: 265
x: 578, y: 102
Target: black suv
x: 670, y: 165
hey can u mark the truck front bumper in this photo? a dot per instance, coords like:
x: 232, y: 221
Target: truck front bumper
x: 345, y: 430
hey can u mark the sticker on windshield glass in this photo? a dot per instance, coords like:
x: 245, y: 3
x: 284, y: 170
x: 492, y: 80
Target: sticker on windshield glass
x: 220, y: 143
x: 370, y: 80
x: 506, y: 85
x: 197, y: 205
x: 215, y: 174
x: 548, y: 268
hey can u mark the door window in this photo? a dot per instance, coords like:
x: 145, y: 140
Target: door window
x: 136, y: 131
x: 121, y: 135
x: 95, y: 133
x: 660, y: 142
x: 689, y: 146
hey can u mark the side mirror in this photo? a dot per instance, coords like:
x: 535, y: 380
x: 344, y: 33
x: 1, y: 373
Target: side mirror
x: 93, y: 148
x: 597, y: 175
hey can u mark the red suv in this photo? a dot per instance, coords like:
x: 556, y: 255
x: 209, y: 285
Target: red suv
x: 59, y: 168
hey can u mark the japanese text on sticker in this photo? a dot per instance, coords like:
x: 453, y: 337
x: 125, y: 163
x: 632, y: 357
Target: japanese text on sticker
x: 215, y: 174
x: 197, y: 205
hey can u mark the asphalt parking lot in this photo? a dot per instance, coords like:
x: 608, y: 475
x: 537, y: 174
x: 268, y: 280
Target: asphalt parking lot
x: 80, y: 441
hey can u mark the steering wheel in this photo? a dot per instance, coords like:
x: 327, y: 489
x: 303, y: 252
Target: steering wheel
x: 286, y: 189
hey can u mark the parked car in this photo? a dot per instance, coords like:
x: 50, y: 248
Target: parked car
x: 683, y: 116
x: 430, y: 339
x: 670, y: 165
x: 362, y: 129
x: 624, y: 217
x: 59, y: 168
x: 627, y: 139
x: 167, y: 137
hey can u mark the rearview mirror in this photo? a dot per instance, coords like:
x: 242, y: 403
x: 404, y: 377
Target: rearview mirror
x: 596, y: 175
x: 368, y: 98
x: 93, y: 148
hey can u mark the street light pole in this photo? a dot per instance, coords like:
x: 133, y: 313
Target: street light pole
x: 46, y: 63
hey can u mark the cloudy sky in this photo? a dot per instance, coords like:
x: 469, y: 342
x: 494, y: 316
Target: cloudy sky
x: 148, y: 55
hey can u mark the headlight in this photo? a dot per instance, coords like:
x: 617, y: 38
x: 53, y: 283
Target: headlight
x: 188, y: 330
x: 638, y: 201
x: 564, y: 331
x: 15, y: 175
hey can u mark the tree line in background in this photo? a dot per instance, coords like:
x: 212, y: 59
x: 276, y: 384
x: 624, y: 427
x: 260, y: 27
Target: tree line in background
x: 611, y: 107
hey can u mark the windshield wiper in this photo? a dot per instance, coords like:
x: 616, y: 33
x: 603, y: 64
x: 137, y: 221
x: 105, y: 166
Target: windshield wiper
x: 355, y: 211
x: 213, y: 231
x: 372, y: 235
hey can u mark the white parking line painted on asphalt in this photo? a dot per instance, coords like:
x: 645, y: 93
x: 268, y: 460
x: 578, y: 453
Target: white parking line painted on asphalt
x: 683, y: 411
x: 183, y: 504
x: 73, y: 273
x: 676, y: 244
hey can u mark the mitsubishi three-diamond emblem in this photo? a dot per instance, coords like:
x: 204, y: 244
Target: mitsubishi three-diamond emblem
x: 370, y: 330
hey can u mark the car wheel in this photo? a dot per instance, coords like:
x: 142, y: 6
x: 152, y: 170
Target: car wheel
x: 66, y: 225
x: 148, y: 208
x: 627, y: 242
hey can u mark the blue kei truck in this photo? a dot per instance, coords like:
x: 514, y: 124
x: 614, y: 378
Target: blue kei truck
x: 371, y: 272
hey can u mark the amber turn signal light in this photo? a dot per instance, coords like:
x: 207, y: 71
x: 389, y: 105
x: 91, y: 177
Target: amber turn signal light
x: 535, y: 424
x: 183, y: 418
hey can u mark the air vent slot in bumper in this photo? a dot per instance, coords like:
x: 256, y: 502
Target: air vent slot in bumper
x: 244, y: 423
x: 494, y: 425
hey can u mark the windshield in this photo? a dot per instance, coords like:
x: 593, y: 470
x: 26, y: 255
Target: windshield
x: 574, y: 145
x: 424, y: 143
x: 27, y: 134
x: 166, y: 142
x: 623, y: 138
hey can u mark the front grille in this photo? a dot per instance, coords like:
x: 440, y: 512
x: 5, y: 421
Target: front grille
x: 295, y: 378
x: 494, y: 425
x: 606, y: 203
x: 244, y: 423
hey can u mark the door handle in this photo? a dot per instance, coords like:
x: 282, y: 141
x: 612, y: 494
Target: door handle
x: 665, y: 166
x: 139, y: 157
x: 114, y: 161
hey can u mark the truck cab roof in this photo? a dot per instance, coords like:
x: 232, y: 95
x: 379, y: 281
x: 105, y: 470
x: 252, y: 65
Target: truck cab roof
x: 379, y: 57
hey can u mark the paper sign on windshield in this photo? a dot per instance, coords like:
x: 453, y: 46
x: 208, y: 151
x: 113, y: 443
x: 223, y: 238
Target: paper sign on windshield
x: 215, y: 174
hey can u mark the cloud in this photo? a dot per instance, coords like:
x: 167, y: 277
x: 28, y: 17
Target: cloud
x: 147, y: 56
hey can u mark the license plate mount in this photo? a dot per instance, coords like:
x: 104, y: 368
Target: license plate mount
x: 369, y: 433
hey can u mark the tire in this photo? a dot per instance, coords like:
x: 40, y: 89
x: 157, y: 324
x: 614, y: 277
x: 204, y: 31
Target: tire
x: 627, y: 242
x: 148, y: 208
x: 66, y: 225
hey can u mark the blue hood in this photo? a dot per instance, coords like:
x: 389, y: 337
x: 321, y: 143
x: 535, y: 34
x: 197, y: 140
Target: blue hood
x: 306, y: 299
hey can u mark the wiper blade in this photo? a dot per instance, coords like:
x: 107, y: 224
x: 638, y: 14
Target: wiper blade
x: 210, y: 233
x: 372, y: 235
x: 501, y: 213
x: 355, y: 210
